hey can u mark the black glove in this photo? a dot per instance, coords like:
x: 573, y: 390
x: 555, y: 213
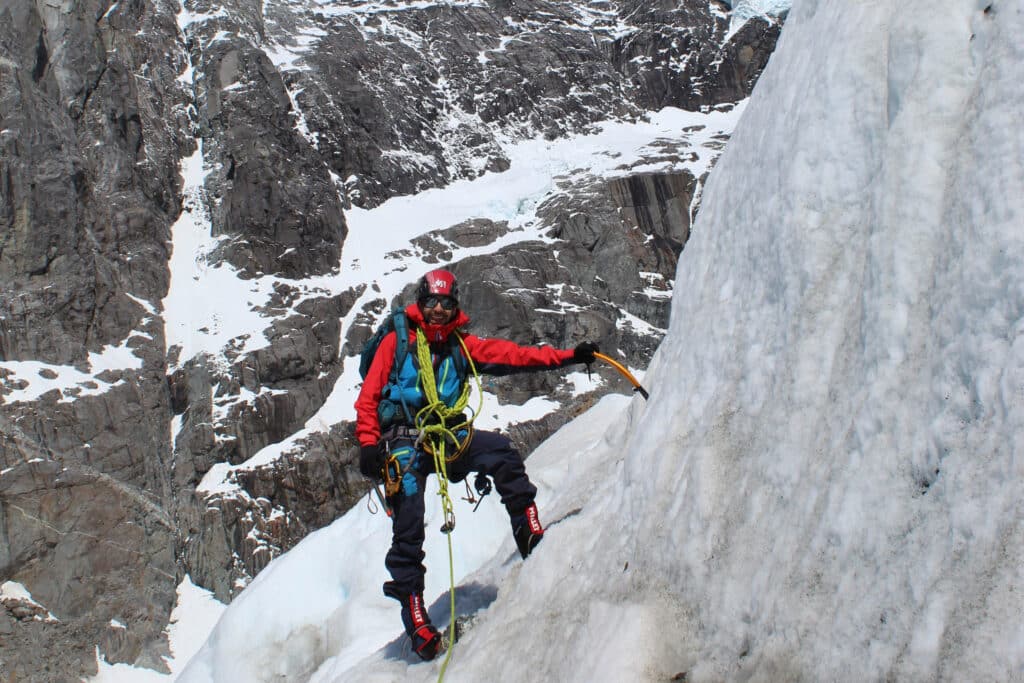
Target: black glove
x: 483, y: 487
x: 584, y: 353
x: 482, y: 484
x: 371, y: 461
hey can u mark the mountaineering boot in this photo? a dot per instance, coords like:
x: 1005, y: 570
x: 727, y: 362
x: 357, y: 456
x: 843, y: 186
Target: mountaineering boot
x: 426, y: 640
x: 527, y: 530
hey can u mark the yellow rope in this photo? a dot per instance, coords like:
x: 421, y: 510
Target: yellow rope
x: 431, y: 421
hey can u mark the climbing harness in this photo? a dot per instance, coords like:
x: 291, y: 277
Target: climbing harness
x: 625, y: 373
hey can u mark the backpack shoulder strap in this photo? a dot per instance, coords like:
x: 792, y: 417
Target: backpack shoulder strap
x: 458, y: 355
x: 401, y: 325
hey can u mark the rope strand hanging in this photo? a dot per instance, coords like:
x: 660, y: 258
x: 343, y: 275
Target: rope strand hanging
x: 434, y: 435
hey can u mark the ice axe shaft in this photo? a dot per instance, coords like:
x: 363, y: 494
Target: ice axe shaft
x: 625, y: 373
x: 382, y: 499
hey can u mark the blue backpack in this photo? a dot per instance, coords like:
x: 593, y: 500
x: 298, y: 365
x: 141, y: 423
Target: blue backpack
x: 396, y: 322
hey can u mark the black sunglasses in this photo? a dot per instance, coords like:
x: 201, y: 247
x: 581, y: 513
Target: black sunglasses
x: 447, y: 303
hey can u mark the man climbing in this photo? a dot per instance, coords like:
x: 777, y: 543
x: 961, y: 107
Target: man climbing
x: 407, y: 396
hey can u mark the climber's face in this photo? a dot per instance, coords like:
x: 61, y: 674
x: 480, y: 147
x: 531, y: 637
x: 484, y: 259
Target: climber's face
x: 438, y: 310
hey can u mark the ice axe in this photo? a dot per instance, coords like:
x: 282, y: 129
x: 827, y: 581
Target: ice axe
x: 383, y: 500
x: 625, y: 373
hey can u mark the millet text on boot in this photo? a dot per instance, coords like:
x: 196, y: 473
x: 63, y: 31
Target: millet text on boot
x: 527, y: 530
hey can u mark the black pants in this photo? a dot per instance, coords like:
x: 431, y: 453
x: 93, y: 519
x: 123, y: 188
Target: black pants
x: 489, y: 453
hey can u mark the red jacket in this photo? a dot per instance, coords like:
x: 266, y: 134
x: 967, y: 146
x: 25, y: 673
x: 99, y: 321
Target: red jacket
x: 482, y: 350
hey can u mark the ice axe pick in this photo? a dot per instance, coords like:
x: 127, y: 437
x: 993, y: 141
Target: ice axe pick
x: 625, y: 373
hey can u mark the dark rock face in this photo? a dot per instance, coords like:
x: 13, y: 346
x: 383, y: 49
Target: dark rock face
x: 90, y: 117
x: 301, y: 110
x: 269, y: 188
x: 481, y: 72
x: 274, y: 508
x: 680, y: 57
x: 100, y: 550
x: 89, y: 175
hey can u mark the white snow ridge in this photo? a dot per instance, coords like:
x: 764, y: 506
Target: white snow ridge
x: 825, y: 484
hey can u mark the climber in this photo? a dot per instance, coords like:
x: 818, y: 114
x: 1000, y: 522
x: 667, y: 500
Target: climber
x: 391, y: 448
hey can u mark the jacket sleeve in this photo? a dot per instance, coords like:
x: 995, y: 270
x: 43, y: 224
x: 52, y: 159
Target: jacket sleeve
x: 367, y: 422
x: 500, y: 356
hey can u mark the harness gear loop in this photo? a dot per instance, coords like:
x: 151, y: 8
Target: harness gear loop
x: 391, y: 464
x: 434, y: 435
x: 391, y: 484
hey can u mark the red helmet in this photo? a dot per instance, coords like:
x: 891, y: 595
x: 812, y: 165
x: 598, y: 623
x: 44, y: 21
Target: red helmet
x: 438, y: 283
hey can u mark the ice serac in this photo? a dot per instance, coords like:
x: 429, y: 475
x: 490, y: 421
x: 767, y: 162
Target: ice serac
x: 825, y: 484
x: 293, y: 112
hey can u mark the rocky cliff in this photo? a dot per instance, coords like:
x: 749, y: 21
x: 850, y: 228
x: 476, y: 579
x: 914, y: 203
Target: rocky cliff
x: 116, y: 419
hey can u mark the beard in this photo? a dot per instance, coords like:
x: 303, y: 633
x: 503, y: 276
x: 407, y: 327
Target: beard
x: 439, y: 316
